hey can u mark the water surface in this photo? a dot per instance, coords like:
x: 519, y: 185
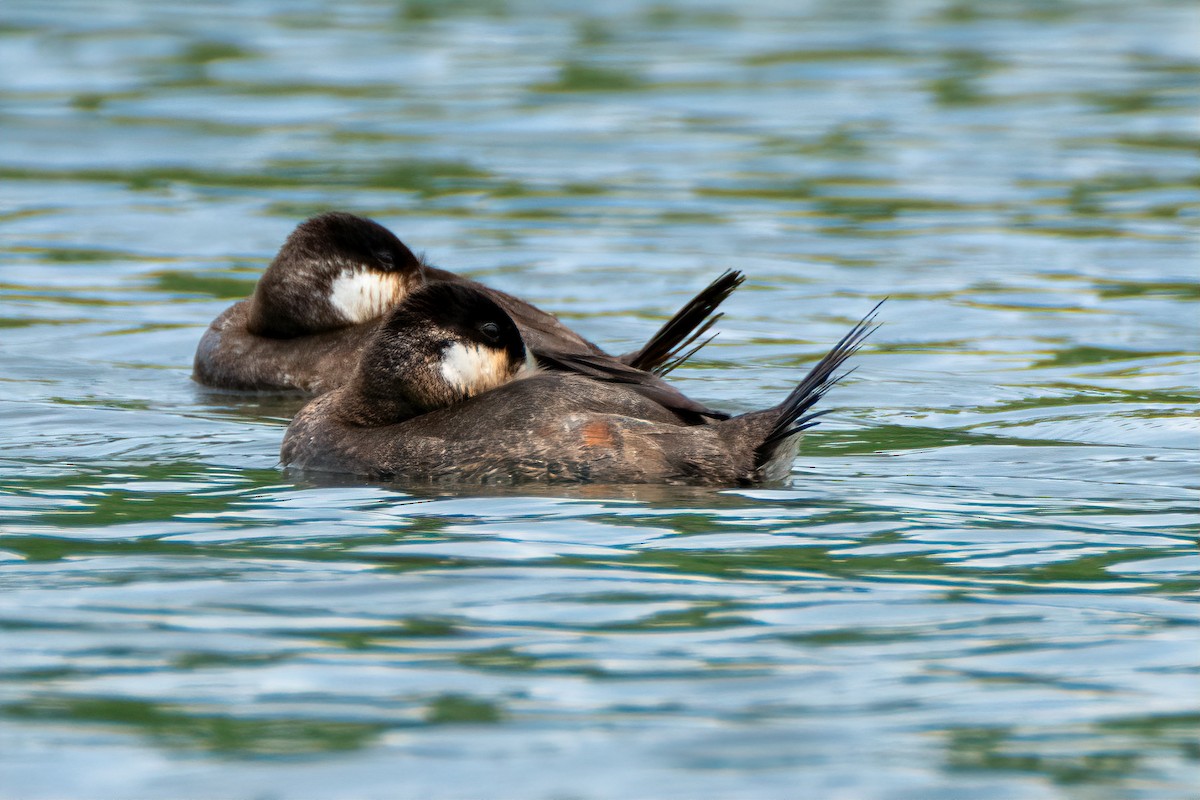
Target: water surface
x: 981, y: 581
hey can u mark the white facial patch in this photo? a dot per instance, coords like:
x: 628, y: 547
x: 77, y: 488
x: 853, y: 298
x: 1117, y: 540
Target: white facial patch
x: 530, y: 367
x: 359, y: 295
x: 473, y: 368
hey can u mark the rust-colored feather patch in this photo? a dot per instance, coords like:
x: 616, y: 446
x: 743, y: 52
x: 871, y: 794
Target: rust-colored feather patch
x: 597, y: 434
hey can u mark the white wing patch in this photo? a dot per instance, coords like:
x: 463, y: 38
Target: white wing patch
x: 473, y: 368
x: 360, y: 295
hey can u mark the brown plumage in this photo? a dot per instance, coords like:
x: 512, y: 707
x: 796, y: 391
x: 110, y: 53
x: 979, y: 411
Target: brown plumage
x: 387, y: 422
x: 336, y: 277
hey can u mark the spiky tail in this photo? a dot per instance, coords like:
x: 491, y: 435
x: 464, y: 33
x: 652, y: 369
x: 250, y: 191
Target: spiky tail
x: 794, y: 414
x: 667, y: 348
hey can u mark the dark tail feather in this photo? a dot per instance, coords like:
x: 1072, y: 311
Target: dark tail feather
x: 663, y: 352
x: 676, y: 360
x: 794, y: 412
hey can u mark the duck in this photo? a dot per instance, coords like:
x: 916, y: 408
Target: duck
x: 327, y: 291
x: 448, y: 391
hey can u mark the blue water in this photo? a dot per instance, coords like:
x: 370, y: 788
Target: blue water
x: 981, y: 581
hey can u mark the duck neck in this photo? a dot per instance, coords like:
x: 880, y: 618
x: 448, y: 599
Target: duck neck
x: 368, y: 407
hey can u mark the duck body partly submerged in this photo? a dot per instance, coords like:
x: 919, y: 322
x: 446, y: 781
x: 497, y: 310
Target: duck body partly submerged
x: 546, y: 428
x: 501, y: 422
x: 337, y: 276
x: 230, y: 357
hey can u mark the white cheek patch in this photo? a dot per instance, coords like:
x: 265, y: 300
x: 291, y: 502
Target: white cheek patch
x: 473, y: 368
x: 359, y: 295
x: 530, y: 367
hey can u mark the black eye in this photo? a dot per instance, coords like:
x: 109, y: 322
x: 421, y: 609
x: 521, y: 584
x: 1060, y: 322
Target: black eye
x: 491, y: 331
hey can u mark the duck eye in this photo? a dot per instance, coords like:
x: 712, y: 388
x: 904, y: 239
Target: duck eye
x: 491, y: 331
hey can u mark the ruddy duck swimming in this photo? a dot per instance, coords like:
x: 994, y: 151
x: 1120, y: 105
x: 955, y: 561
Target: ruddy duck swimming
x: 446, y: 391
x: 336, y: 277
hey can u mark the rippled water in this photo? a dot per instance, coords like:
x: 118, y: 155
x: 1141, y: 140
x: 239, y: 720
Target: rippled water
x: 982, y: 582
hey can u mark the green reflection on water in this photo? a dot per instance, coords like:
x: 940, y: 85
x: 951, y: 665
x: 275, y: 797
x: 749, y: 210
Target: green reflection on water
x: 175, y: 727
x: 895, y: 438
x: 71, y: 255
x: 456, y: 709
x: 428, y: 178
x: 404, y: 630
x: 1083, y: 354
x: 1165, y: 289
x: 1162, y: 142
x: 959, y: 84
x: 208, y: 51
x: 1123, y: 102
x: 427, y: 10
x: 1095, y: 568
x: 799, y: 190
x: 847, y: 140
x: 1077, y: 395
x: 664, y: 15
x: 503, y: 659
x: 997, y: 748
x: 96, y: 502
x: 575, y: 76
x: 826, y: 54
x: 592, y: 32
x: 875, y: 208
x: 219, y: 286
x: 197, y: 660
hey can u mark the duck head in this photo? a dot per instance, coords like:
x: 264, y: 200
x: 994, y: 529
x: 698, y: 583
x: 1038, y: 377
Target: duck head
x: 335, y: 270
x: 445, y: 343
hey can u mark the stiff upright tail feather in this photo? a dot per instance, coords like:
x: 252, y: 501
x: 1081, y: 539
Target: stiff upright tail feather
x: 794, y: 413
x: 667, y: 348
